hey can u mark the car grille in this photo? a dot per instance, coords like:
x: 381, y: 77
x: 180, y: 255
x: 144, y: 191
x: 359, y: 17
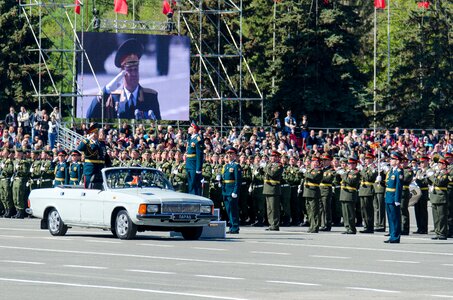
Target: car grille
x: 181, y: 208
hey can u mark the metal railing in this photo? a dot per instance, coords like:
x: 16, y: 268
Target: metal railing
x: 68, y: 138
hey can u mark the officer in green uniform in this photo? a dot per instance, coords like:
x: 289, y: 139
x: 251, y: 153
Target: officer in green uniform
x: 19, y: 181
x: 47, y: 170
x: 421, y: 207
x: 312, y: 193
x: 178, y: 177
x: 326, y: 188
x: 379, y: 200
x: 449, y: 157
x: 194, y: 160
x: 408, y: 176
x: 366, y: 193
x: 293, y: 177
x: 206, y: 179
x: 215, y: 186
x: 231, y: 183
x: 244, y: 200
x: 75, y: 168
x: 35, y: 170
x: 256, y: 191
x: 285, y: 216
x: 336, y: 187
x: 6, y: 173
x: 272, y: 191
x: 134, y: 160
x: 350, y: 181
x: 439, y: 199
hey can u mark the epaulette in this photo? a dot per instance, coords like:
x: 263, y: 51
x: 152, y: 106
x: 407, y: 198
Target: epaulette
x: 117, y: 92
x: 149, y: 91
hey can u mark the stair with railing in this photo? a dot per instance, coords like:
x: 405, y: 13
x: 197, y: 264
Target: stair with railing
x: 68, y: 138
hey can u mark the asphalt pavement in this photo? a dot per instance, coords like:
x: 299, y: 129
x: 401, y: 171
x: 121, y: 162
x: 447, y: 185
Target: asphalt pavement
x: 290, y: 264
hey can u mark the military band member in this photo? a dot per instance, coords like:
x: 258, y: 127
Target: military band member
x: 336, y: 205
x: 294, y: 177
x: 206, y: 179
x: 231, y: 183
x: 285, y: 217
x: 350, y: 181
x: 366, y: 193
x: 256, y: 191
x: 6, y: 173
x: 61, y: 169
x: 19, y: 181
x: 393, y: 198
x: 439, y: 199
x: 194, y: 160
x: 215, y: 188
x: 449, y: 158
x: 421, y: 207
x: 408, y: 176
x: 35, y: 170
x: 328, y: 176
x: 312, y: 194
x: 47, y: 170
x: 244, y: 201
x: 75, y: 168
x: 272, y: 190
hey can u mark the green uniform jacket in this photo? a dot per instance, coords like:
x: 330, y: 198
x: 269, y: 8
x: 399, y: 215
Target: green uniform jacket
x: 408, y: 176
x: 328, y: 177
x: 272, y: 179
x: 350, y: 181
x: 368, y: 175
x: 292, y: 175
x: 440, y: 182
x: 313, y: 178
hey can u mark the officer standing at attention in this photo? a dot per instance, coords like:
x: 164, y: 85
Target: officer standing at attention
x: 393, y: 196
x: 350, y: 181
x: 312, y: 194
x: 326, y: 189
x: 449, y: 157
x: 271, y: 190
x: 96, y: 158
x: 408, y: 176
x: 366, y: 193
x: 439, y: 199
x: 421, y: 207
x: 231, y: 184
x: 19, y: 180
x: 194, y: 160
x: 75, y: 168
x: 61, y: 169
x: 6, y: 172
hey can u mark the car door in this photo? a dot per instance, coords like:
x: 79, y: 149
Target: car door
x: 91, y: 207
x: 67, y: 204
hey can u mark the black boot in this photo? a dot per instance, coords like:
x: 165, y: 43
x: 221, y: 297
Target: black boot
x: 20, y: 214
x: 8, y: 213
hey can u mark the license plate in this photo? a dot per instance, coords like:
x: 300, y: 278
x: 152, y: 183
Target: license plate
x: 184, y: 217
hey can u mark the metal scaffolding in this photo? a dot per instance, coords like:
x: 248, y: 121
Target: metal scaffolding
x: 218, y: 64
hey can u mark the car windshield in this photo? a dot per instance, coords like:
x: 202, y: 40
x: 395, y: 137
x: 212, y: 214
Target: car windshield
x: 136, y: 177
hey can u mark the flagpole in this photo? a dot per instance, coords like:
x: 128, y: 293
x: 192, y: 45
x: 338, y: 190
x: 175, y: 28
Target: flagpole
x: 374, y: 89
x: 388, y: 43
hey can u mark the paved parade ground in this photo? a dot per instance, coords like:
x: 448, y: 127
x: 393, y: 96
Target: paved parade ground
x: 290, y: 264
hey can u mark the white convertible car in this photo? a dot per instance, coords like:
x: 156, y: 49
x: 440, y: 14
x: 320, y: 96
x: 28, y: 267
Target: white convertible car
x: 132, y: 199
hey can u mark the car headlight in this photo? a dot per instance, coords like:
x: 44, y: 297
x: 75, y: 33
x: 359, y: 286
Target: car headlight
x: 152, y: 208
x: 205, y: 209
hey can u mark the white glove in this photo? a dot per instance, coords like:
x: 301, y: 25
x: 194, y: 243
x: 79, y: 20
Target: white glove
x: 430, y: 173
x: 255, y: 172
x: 202, y: 181
x: 175, y: 172
x: 397, y: 203
x: 42, y: 168
x: 219, y: 184
x: 379, y: 178
x: 262, y: 164
x: 198, y: 172
x: 218, y: 177
x: 250, y: 189
x: 31, y: 169
x: 115, y: 83
x: 299, y: 189
x: 233, y: 195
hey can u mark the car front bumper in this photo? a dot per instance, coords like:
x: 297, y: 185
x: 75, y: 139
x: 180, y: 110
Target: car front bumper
x: 174, y: 219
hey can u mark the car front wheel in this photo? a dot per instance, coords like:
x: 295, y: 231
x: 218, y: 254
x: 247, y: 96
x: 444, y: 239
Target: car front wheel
x: 124, y: 227
x: 191, y: 233
x: 55, y: 223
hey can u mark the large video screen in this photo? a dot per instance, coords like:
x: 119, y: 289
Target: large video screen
x: 133, y: 76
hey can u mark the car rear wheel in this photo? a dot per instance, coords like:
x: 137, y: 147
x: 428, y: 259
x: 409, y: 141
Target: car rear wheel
x: 191, y: 233
x: 55, y: 223
x: 124, y: 227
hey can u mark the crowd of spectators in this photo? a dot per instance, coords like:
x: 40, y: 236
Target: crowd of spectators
x: 38, y: 130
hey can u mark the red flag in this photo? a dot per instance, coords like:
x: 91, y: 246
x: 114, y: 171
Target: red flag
x: 166, y: 8
x: 379, y: 4
x: 77, y: 7
x: 121, y: 7
x: 424, y: 4
x: 326, y: 2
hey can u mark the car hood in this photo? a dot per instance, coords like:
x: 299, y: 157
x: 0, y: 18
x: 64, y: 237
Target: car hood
x: 153, y: 194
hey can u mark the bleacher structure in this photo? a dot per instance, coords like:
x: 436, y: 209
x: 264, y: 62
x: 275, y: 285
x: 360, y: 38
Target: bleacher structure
x: 218, y: 67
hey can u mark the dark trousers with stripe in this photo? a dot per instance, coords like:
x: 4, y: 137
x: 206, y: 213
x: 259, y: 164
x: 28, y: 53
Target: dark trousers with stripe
x: 394, y: 218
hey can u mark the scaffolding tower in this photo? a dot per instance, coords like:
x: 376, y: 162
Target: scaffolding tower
x: 218, y: 65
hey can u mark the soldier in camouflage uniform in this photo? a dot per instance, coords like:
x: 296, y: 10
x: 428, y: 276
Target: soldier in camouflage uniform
x: 146, y: 157
x: 256, y: 190
x: 326, y: 187
x: 135, y: 160
x: 368, y: 175
x: 408, y: 176
x: 47, y: 170
x: 285, y: 216
x: 35, y: 170
x: 178, y: 176
x: 6, y: 172
x: 206, y: 172
x: 19, y: 181
x: 166, y: 164
x: 272, y: 190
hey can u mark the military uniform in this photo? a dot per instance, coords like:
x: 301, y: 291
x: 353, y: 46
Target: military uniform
x: 47, y: 174
x: 272, y: 191
x: 421, y: 207
x: 379, y: 202
x: 312, y: 195
x: 408, y: 176
x: 293, y: 177
x: 393, y: 197
x: 6, y: 173
x: 258, y: 200
x: 366, y: 193
x: 35, y: 174
x: 285, y: 216
x: 325, y: 186
x: 178, y: 177
x: 215, y: 189
x: 194, y: 162
x: 450, y: 196
x: 231, y: 183
x: 207, y: 174
x: 439, y: 202
x: 61, y: 174
x: 75, y: 173
x: 244, y: 201
x: 19, y: 181
x: 350, y: 181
